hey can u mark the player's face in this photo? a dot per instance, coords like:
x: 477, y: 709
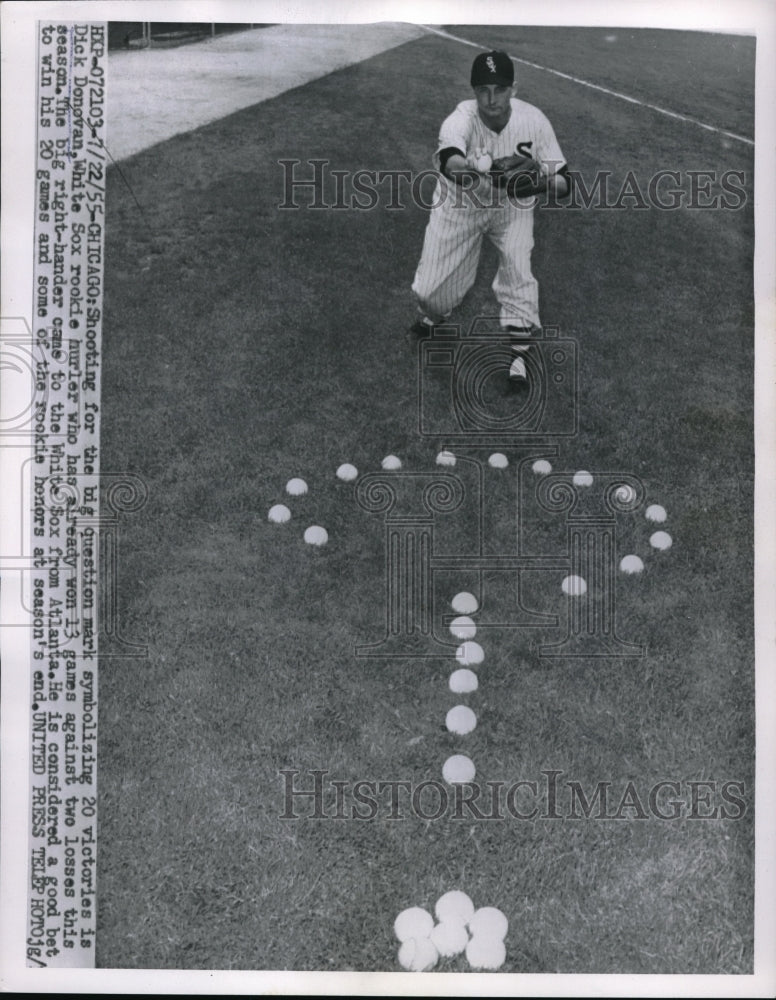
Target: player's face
x: 493, y: 103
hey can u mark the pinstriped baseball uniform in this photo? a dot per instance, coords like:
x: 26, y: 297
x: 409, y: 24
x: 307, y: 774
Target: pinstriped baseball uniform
x: 458, y: 221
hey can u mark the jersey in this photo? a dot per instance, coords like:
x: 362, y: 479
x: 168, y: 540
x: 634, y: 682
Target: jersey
x: 527, y: 133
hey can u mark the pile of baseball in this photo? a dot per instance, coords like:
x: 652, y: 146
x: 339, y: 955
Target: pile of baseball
x: 460, y: 929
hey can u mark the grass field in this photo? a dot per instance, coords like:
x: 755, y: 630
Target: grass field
x: 244, y: 345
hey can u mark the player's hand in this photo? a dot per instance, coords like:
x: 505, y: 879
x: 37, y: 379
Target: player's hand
x: 472, y: 181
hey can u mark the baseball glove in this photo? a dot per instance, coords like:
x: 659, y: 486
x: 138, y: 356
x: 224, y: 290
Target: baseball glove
x: 519, y: 176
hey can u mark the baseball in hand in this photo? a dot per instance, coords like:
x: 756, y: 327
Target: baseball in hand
x: 483, y: 163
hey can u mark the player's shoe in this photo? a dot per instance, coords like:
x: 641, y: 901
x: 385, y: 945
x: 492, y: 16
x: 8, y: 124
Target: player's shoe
x: 517, y: 369
x: 523, y: 331
x: 517, y: 337
x: 424, y: 326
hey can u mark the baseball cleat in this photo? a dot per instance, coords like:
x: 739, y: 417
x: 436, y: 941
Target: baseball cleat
x: 424, y: 326
x: 517, y: 369
x: 523, y: 331
x: 518, y: 335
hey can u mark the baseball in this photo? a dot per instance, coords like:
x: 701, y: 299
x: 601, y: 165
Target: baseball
x: 454, y: 907
x: 449, y: 938
x: 465, y: 603
x: 418, y: 955
x: 489, y: 922
x: 316, y: 535
x: 463, y: 627
x: 574, y: 586
x: 460, y: 720
x: 661, y: 540
x: 414, y: 922
x: 347, y: 472
x: 463, y: 681
x: 483, y: 163
x: 469, y: 653
x: 279, y: 513
x: 631, y: 564
x: 296, y: 487
x: 458, y: 769
x: 485, y: 953
x: 656, y: 513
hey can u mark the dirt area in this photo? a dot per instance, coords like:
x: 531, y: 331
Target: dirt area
x: 154, y: 94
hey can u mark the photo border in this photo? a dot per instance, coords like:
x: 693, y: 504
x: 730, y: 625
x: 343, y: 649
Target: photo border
x: 18, y: 95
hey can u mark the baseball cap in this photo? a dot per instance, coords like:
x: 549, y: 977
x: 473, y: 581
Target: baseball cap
x: 493, y: 67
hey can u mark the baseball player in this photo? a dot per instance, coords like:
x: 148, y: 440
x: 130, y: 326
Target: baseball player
x: 495, y: 153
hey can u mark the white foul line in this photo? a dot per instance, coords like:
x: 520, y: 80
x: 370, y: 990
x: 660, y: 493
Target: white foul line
x: 603, y: 90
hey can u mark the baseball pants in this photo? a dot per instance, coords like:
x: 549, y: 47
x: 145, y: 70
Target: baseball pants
x: 451, y: 253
